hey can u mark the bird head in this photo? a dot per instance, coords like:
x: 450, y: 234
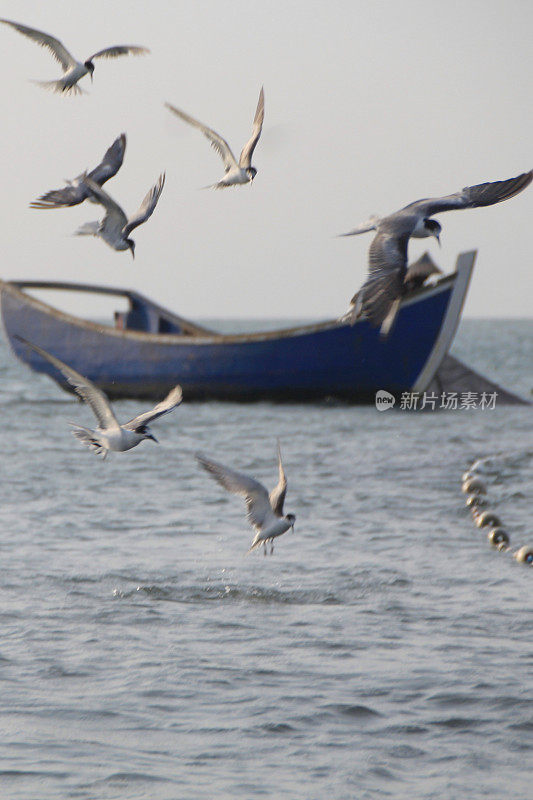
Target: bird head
x: 89, y: 66
x: 251, y: 172
x: 291, y: 519
x: 432, y: 228
x: 131, y: 246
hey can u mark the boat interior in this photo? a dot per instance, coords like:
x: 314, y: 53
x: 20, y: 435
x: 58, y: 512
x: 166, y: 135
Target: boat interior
x: 141, y: 313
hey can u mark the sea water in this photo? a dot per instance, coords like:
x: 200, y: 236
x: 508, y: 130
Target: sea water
x: 384, y: 650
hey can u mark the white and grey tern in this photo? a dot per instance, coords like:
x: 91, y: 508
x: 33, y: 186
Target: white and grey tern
x: 73, y: 69
x: 115, y: 227
x: 236, y: 172
x: 264, y: 511
x: 380, y: 296
x: 109, y: 435
x: 76, y: 190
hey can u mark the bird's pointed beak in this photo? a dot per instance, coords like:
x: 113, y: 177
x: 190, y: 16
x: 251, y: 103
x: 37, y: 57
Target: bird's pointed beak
x: 437, y: 237
x: 152, y: 437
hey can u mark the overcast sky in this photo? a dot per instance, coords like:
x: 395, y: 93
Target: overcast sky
x: 368, y: 106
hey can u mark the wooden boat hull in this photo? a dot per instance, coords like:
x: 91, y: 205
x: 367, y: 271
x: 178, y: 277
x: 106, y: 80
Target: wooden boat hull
x: 323, y: 360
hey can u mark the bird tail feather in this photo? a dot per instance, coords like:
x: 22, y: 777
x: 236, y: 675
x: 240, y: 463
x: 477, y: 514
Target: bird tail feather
x: 86, y: 437
x: 256, y: 543
x: 369, y: 225
x: 61, y: 87
x: 88, y: 229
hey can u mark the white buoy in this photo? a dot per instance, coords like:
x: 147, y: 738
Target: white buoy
x: 498, y: 537
x: 525, y: 554
x: 475, y: 501
x: 474, y: 486
x: 488, y: 518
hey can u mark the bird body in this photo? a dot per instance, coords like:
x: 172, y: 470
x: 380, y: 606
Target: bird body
x: 264, y: 511
x: 103, y: 440
x: 236, y: 172
x: 380, y: 296
x: 269, y: 533
x: 109, y: 435
x: 77, y: 190
x: 73, y: 70
x: 115, y: 227
x: 68, y: 83
x: 234, y: 177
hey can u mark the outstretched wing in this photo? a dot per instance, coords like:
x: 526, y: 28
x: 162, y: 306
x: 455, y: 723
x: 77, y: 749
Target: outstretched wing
x: 173, y: 399
x: 259, y: 510
x: 93, y: 396
x: 245, y: 158
x: 70, y: 195
x: 484, y: 194
x: 277, y: 495
x: 58, y: 50
x: 120, y: 50
x: 220, y: 144
x: 77, y: 191
x: 111, y: 162
x: 146, y: 208
x: 387, y: 260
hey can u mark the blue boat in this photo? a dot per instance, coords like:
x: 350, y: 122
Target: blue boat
x: 149, y: 349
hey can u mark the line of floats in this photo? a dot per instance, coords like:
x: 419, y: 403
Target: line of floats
x: 484, y: 517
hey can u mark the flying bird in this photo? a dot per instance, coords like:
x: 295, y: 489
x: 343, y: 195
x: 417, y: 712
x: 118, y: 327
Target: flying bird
x: 380, y: 296
x: 109, y: 435
x: 116, y: 227
x: 73, y: 70
x: 264, y: 512
x: 235, y: 172
x: 76, y: 190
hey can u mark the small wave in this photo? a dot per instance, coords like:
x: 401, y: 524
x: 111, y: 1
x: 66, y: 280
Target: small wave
x: 221, y: 592
x: 458, y: 723
x: 355, y: 711
x: 453, y: 699
x: 383, y: 772
x: 527, y: 726
x: 58, y: 671
x: 406, y: 751
x: 154, y: 592
x: 409, y: 730
x: 32, y: 773
x: 128, y: 778
x: 501, y: 463
x: 277, y: 727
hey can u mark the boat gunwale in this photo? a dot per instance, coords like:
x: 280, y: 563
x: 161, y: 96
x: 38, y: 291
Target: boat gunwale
x: 16, y: 288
